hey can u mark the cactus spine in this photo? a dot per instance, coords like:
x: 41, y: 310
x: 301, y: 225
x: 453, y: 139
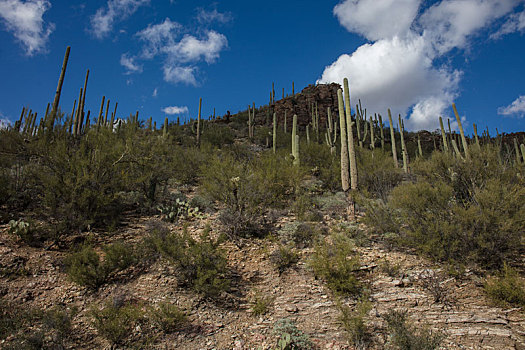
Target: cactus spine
x: 393, y: 139
x: 59, y: 89
x: 463, y: 139
x: 403, y: 146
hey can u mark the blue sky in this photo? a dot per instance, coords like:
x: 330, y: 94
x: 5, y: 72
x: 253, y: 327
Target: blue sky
x: 159, y: 57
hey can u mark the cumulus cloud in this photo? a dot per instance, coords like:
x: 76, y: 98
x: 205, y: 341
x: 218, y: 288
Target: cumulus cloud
x: 130, y: 64
x: 204, y: 16
x: 449, y: 23
x: 4, y: 122
x: 104, y: 19
x: 155, y: 92
x: 377, y: 19
x: 181, y: 55
x: 516, y: 108
x: 25, y: 20
x: 171, y: 110
x: 398, y: 70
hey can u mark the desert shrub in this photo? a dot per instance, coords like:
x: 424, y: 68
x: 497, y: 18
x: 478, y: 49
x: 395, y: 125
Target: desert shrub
x: 201, y: 263
x: 186, y: 164
x: 283, y: 258
x: 179, y: 210
x: 404, y: 336
x: 326, y: 166
x: 377, y: 175
x: 249, y: 188
x: 335, y: 261
x: 260, y: 304
x: 488, y: 229
x: 507, y: 288
x: 217, y: 135
x: 301, y: 234
x: 289, y: 337
x: 353, y: 322
x: 168, y: 317
x: 306, y: 208
x: 116, y: 322
x: 379, y: 215
x: 86, y: 268
x: 391, y: 269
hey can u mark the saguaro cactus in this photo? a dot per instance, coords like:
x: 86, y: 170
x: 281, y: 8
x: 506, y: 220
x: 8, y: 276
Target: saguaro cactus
x: 403, y: 146
x: 295, y: 141
x: 99, y: 119
x: 199, y: 123
x: 274, y: 132
x: 345, y: 167
x: 443, y: 135
x: 59, y: 89
x: 331, y: 128
x: 393, y: 139
x: 460, y: 126
x: 350, y: 138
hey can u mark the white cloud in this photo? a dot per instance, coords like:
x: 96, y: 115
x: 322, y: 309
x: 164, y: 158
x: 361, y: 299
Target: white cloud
x: 515, y: 108
x: 515, y: 23
x: 25, y: 21
x: 204, y: 16
x: 116, y: 10
x: 174, y: 74
x: 4, y: 122
x: 449, y: 23
x: 175, y: 110
x: 155, y: 92
x: 180, y: 55
x: 130, y: 64
x: 375, y: 19
x: 191, y: 49
x: 158, y: 36
x: 398, y: 69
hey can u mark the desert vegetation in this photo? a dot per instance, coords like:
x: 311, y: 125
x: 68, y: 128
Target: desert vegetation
x: 310, y: 191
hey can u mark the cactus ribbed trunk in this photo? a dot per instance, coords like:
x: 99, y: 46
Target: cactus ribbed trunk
x: 295, y: 141
x: 113, y: 117
x: 382, y: 132
x: 463, y: 138
x: 393, y: 139
x: 59, y: 89
x: 350, y: 138
x: 165, y: 128
x: 522, y: 148
x: 516, y: 148
x: 99, y: 119
x: 199, y: 123
x: 82, y: 104
x: 274, y: 145
x: 372, y: 136
x: 456, y: 149
x: 419, y: 146
x: 443, y: 135
x: 476, y: 135
x: 77, y: 114
x: 403, y: 146
x: 345, y: 167
x: 106, y: 115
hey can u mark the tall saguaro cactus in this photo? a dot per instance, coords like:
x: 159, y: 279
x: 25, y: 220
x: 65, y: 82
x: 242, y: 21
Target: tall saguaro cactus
x: 403, y: 145
x: 350, y: 138
x: 295, y: 141
x: 59, y: 89
x: 443, y: 135
x: 199, y: 123
x: 274, y: 145
x: 393, y: 139
x: 460, y: 126
x: 345, y: 166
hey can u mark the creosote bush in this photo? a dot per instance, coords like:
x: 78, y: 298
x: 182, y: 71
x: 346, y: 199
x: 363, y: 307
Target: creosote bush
x: 168, y: 317
x: 354, y: 323
x: 201, y: 263
x: 283, y: 258
x: 507, y: 288
x: 335, y: 261
x: 260, y: 304
x: 404, y: 336
x: 116, y: 322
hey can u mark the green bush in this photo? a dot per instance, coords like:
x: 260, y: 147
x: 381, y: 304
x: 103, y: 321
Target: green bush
x: 335, y: 261
x: 283, y: 257
x: 217, y: 135
x: 86, y: 268
x: 353, y: 322
x: 201, y: 263
x: 168, y: 317
x: 507, y: 288
x: 326, y: 166
x: 404, y: 336
x: 260, y: 304
x: 301, y: 234
x: 116, y: 323
x: 488, y: 229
